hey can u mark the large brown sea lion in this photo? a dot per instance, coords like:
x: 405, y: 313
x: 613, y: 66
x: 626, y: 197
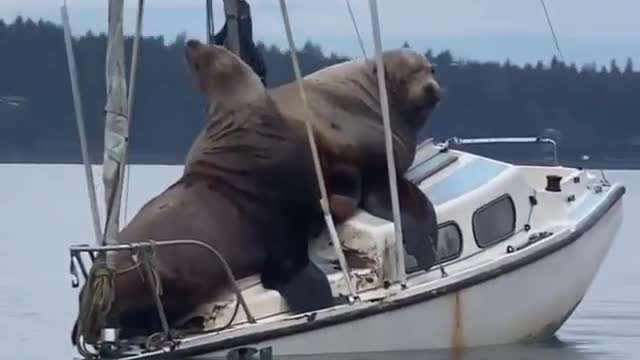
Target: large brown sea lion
x: 346, y: 114
x: 265, y: 161
x: 248, y: 190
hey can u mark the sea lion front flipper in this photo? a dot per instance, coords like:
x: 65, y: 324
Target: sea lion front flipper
x: 308, y: 290
x: 305, y: 288
x: 418, y: 216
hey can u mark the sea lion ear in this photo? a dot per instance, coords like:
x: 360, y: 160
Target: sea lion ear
x: 196, y: 65
x: 371, y: 66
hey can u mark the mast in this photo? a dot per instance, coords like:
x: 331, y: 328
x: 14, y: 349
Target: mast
x: 231, y: 12
x: 210, y: 28
x: 116, y: 122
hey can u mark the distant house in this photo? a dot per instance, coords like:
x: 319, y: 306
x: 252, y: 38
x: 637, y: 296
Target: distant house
x: 13, y: 101
x: 14, y: 112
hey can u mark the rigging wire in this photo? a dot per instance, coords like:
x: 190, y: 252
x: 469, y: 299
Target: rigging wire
x: 355, y: 26
x: 555, y: 39
x: 77, y: 103
x: 324, y: 199
x: 132, y: 82
x: 553, y: 33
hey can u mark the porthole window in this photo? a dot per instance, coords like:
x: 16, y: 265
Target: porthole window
x: 495, y: 221
x: 449, y: 242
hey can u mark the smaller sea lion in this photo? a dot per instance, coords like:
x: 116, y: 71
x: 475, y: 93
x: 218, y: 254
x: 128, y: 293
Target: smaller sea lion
x: 346, y: 109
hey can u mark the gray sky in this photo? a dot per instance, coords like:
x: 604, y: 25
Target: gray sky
x: 588, y: 30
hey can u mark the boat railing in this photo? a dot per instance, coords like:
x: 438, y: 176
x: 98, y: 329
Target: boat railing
x: 446, y: 144
x: 147, y: 248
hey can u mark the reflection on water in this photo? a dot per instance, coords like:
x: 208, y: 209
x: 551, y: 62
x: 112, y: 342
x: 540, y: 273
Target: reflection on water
x: 554, y: 349
x: 44, y: 209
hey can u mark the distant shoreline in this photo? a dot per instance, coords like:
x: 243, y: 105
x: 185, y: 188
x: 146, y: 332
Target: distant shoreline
x: 587, y: 110
x: 171, y: 160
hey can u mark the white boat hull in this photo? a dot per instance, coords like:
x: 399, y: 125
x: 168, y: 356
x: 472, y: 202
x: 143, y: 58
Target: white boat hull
x: 519, y: 287
x: 530, y: 302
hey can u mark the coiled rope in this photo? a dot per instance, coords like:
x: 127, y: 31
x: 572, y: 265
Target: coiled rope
x: 96, y: 300
x: 98, y: 295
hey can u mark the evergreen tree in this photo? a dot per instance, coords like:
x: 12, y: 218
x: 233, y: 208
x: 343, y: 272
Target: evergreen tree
x: 591, y: 108
x: 628, y: 69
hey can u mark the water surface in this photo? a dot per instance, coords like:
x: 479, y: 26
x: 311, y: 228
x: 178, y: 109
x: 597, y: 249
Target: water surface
x: 44, y: 209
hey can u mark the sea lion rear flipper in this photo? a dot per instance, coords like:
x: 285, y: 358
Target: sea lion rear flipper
x: 344, y: 190
x: 418, y: 216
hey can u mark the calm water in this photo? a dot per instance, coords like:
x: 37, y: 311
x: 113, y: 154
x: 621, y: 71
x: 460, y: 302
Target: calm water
x: 44, y: 209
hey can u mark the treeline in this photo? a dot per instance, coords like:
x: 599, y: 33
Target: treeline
x: 594, y: 111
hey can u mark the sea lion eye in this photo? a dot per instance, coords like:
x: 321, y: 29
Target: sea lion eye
x: 433, y: 70
x: 196, y: 65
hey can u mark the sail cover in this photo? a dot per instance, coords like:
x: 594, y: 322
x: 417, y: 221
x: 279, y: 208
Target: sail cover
x: 116, y: 122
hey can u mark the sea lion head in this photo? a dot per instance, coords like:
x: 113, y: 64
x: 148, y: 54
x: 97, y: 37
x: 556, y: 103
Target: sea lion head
x: 221, y: 75
x: 411, y: 85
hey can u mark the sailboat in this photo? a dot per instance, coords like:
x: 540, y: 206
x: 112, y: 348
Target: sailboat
x: 520, y: 246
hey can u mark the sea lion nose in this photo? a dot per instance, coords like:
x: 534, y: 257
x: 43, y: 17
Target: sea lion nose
x: 193, y: 44
x: 432, y: 91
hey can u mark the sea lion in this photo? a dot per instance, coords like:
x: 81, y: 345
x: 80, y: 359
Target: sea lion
x: 346, y: 115
x: 247, y: 190
x: 346, y: 109
x: 265, y: 161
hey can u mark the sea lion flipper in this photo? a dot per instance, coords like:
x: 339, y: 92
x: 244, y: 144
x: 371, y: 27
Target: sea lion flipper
x: 307, y: 290
x: 304, y: 289
x: 417, y: 213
